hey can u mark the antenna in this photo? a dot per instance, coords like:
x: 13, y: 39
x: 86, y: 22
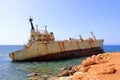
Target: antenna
x: 46, y: 29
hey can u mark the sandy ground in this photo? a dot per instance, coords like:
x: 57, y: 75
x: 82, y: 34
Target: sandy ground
x: 101, y: 67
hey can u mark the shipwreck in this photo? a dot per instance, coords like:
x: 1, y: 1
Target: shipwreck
x: 43, y: 46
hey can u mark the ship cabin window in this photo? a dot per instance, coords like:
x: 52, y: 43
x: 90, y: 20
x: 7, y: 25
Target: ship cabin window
x: 50, y: 39
x: 40, y: 39
x: 44, y: 35
x: 51, y: 32
x: 70, y: 38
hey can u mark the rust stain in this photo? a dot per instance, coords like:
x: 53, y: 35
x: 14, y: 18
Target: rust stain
x: 63, y: 47
x: 46, y: 47
x: 91, y: 42
x: 59, y: 44
x: 78, y: 45
x: 12, y: 55
x: 67, y: 54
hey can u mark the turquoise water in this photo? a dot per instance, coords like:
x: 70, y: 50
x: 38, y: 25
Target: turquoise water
x: 18, y: 70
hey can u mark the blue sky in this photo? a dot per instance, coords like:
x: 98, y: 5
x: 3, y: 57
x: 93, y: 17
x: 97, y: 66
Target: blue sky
x: 66, y: 18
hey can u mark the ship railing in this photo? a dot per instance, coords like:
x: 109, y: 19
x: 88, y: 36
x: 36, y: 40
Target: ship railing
x: 74, y: 39
x: 42, y: 31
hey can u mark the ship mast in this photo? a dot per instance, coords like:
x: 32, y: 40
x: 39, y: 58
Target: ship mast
x: 32, y: 36
x: 32, y: 27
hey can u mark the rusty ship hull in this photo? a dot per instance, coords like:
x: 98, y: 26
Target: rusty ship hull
x: 43, y: 46
x: 53, y: 51
x: 66, y: 55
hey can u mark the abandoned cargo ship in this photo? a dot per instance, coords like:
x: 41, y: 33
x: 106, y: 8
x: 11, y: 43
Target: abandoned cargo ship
x: 43, y: 46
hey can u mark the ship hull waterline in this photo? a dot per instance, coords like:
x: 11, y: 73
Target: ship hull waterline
x: 62, y: 55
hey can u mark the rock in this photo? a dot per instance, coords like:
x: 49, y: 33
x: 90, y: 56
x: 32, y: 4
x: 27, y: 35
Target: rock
x: 60, y: 78
x: 68, y: 71
x: 53, y: 78
x: 84, y: 69
x: 65, y: 78
x: 78, y: 76
x: 39, y: 77
x: 93, y: 60
x: 46, y: 77
x: 33, y: 74
x: 88, y: 61
x: 100, y: 67
x: 108, y: 70
x: 64, y: 73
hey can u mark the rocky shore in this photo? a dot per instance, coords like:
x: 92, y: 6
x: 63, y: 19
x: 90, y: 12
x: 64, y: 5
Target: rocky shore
x: 97, y: 67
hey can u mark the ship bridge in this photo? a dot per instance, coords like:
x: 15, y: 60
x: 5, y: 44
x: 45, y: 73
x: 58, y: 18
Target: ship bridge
x: 40, y: 35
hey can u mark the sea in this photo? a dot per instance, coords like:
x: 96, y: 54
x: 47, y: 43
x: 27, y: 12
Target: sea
x: 19, y: 70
